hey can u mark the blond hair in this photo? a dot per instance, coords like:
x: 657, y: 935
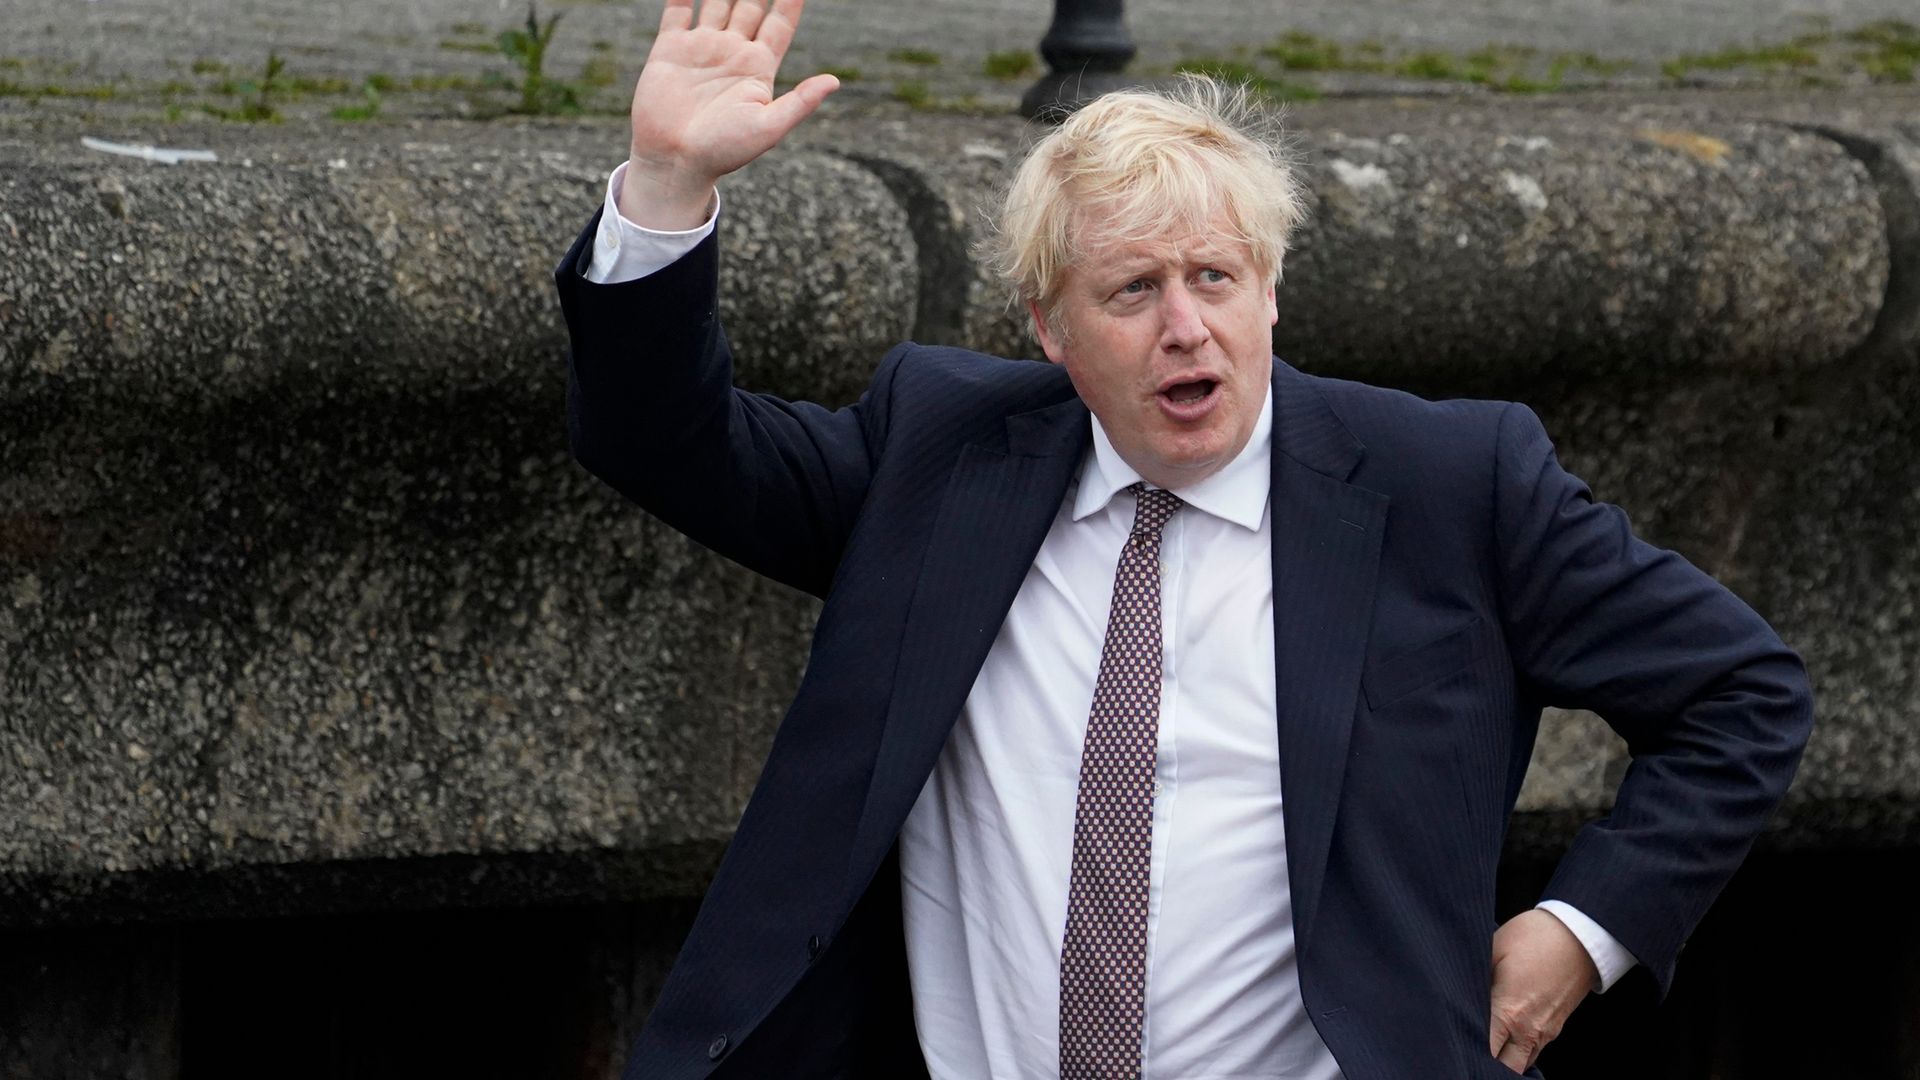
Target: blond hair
x: 1151, y: 163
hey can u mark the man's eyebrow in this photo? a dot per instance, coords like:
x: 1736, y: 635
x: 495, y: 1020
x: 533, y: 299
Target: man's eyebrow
x: 1128, y: 266
x: 1216, y: 255
x: 1107, y: 273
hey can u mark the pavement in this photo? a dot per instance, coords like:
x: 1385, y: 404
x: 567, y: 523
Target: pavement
x: 149, y: 63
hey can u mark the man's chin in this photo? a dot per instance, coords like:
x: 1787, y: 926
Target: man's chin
x: 1185, y: 470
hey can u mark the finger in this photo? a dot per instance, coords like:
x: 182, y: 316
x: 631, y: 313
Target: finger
x: 776, y: 30
x: 746, y: 18
x: 713, y: 14
x: 676, y: 16
x: 785, y: 112
x: 1514, y: 1056
x: 1496, y: 1035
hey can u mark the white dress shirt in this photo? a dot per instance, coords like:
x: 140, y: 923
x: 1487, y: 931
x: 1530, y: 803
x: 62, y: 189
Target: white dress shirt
x: 985, y: 853
x: 986, y: 850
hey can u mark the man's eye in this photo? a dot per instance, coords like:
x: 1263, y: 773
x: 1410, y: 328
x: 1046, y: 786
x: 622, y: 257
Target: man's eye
x: 1134, y: 287
x: 1213, y: 276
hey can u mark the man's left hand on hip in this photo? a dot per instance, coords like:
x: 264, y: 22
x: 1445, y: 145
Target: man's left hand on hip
x: 1540, y: 973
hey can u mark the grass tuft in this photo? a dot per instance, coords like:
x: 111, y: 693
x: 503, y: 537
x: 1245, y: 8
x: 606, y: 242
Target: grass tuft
x: 599, y: 72
x: 368, y: 109
x: 914, y: 92
x: 1256, y: 82
x: 1429, y: 65
x: 527, y: 50
x: 1008, y: 65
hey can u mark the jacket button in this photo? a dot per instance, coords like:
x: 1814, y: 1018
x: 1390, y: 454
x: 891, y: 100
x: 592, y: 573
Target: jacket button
x: 813, y: 946
x: 717, y: 1047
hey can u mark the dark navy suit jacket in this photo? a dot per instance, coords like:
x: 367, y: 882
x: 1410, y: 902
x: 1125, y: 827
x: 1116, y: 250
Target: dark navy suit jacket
x: 1437, y: 579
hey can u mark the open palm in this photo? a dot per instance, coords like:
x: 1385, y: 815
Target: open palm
x: 704, y: 104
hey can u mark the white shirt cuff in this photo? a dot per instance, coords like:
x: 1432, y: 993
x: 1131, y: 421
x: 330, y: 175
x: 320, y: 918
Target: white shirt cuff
x: 623, y: 251
x: 1609, y: 956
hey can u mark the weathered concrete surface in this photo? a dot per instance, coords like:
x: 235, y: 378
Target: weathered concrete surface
x: 301, y: 600
x: 276, y: 593
x: 1499, y: 242
x: 392, y: 267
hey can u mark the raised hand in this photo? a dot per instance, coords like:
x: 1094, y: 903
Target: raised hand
x: 704, y: 105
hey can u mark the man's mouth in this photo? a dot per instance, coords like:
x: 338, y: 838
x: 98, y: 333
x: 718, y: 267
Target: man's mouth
x: 1186, y: 393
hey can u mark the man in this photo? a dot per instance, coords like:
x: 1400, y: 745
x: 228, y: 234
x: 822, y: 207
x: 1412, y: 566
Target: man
x: 1167, y: 704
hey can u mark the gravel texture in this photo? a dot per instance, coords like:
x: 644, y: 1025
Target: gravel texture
x: 149, y: 53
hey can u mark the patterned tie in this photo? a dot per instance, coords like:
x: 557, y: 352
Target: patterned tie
x: 1103, y: 962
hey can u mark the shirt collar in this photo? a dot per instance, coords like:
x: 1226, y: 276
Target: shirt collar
x: 1237, y: 493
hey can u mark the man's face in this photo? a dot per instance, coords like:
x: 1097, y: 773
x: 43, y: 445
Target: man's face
x: 1170, y: 344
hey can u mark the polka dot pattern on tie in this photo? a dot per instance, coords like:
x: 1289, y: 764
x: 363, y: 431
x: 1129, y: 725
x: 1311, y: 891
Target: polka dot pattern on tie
x: 1103, y: 960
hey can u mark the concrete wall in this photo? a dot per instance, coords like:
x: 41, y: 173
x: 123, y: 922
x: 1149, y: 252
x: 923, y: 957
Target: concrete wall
x: 304, y: 609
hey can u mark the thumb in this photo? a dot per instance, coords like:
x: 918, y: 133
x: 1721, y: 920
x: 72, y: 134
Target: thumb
x: 785, y: 112
x: 1496, y: 1033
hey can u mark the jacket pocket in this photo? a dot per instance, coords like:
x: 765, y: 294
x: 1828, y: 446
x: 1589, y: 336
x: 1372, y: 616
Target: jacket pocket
x: 1420, y: 666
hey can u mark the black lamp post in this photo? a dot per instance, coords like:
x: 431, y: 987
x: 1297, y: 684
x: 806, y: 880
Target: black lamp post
x: 1086, y: 49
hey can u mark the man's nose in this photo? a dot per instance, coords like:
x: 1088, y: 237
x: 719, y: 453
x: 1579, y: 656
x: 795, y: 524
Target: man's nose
x: 1181, y: 328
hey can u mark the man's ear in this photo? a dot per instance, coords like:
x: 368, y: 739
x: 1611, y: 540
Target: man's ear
x: 1048, y: 343
x: 1273, y: 306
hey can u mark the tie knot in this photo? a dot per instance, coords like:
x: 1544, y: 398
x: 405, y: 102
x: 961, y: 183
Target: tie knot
x: 1156, y: 506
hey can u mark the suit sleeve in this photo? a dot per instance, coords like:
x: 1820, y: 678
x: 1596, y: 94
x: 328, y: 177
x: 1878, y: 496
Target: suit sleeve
x: 1714, y: 708
x: 651, y: 409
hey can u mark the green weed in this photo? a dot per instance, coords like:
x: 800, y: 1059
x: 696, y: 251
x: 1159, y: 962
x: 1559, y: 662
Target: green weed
x: 1235, y: 71
x: 1429, y: 65
x: 440, y: 82
x: 1797, y: 53
x: 922, y: 57
x: 1896, y: 51
x: 368, y: 109
x: 528, y: 50
x: 1886, y: 68
x: 319, y: 85
x: 256, y: 95
x: 1008, y: 65
x: 1300, y: 51
x: 599, y: 72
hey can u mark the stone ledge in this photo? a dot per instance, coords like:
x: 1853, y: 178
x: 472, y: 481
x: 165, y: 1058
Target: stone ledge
x: 296, y: 577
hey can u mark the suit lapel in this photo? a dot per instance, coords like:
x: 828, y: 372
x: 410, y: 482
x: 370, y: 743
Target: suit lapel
x: 1326, y: 554
x: 999, y: 503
